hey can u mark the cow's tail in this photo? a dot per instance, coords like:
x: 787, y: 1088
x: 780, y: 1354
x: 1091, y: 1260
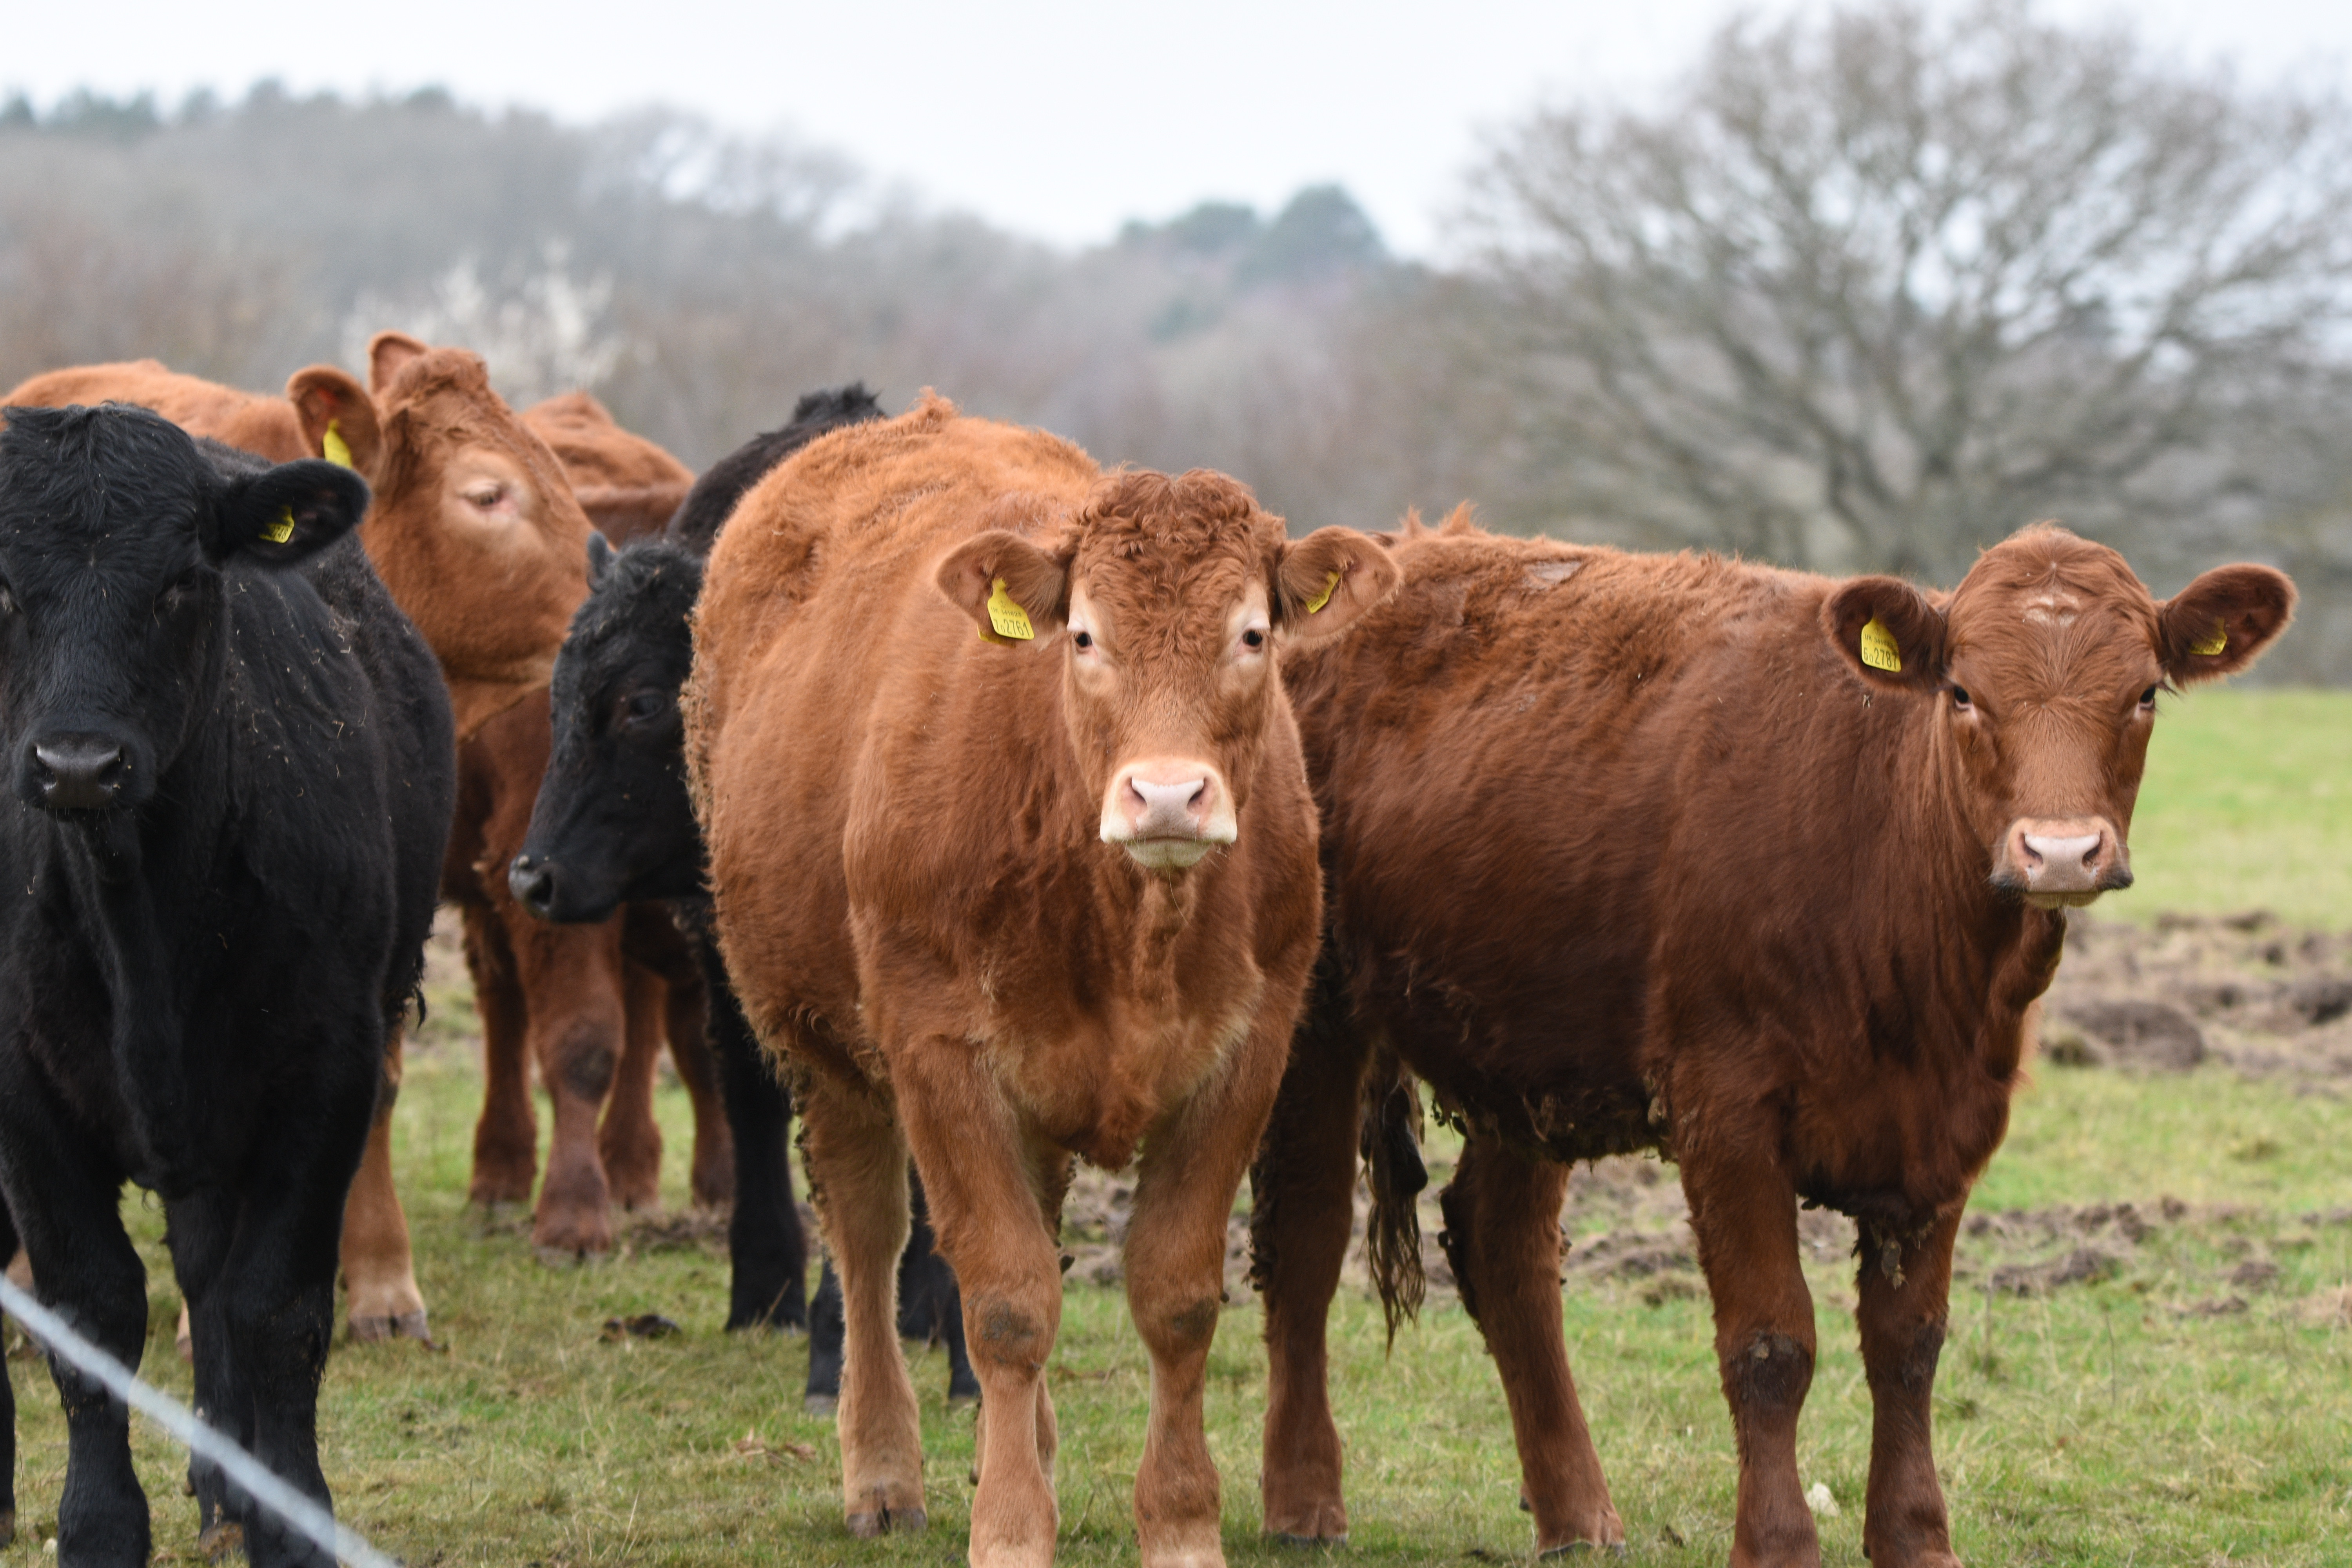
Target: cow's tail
x: 1394, y: 1172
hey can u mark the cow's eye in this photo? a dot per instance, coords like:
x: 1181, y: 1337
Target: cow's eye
x: 646, y: 703
x: 2148, y: 697
x: 1082, y: 641
x: 180, y: 587
x: 1253, y: 639
x: 485, y: 496
x: 1960, y: 698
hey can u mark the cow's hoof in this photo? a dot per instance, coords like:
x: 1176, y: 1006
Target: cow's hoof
x: 221, y: 1538
x: 821, y: 1404
x: 962, y: 1401
x: 888, y: 1521
x: 1284, y: 1538
x: 7, y: 1526
x: 1579, y: 1548
x: 566, y: 1256
x: 374, y: 1330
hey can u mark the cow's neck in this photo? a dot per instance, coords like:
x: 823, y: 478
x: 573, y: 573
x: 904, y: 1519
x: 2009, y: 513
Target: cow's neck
x: 2002, y: 953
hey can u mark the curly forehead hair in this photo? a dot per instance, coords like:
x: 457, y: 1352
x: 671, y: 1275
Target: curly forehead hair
x: 1140, y: 514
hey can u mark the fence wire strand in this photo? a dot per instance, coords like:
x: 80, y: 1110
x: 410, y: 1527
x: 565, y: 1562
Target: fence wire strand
x: 300, y: 1514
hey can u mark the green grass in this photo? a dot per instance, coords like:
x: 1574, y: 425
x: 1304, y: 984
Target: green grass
x: 2247, y: 805
x: 2169, y: 1412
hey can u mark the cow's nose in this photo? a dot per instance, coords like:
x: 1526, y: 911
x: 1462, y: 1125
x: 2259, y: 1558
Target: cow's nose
x: 80, y: 773
x: 533, y: 882
x: 2064, y: 860
x: 1169, y: 809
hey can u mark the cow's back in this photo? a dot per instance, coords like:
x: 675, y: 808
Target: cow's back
x: 253, y: 422
x: 819, y: 615
x: 1624, y: 750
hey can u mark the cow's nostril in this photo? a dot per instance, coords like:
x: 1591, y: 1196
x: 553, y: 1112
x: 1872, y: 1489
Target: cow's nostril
x: 532, y: 883
x: 80, y: 774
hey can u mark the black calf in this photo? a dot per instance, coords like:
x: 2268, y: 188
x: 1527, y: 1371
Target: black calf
x: 232, y: 761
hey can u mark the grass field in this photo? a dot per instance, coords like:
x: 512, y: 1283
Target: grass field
x: 2185, y: 1399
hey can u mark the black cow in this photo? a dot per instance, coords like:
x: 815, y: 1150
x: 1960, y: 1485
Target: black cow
x: 233, y: 766
x: 613, y: 823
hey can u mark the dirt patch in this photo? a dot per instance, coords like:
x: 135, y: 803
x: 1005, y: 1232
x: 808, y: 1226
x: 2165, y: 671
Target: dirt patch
x: 2267, y: 999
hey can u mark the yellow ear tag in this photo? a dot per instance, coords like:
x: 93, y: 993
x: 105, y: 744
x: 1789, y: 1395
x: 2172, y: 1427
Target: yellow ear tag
x: 338, y: 451
x: 2217, y: 642
x: 1009, y: 618
x: 1330, y: 581
x: 1878, y: 649
x: 281, y: 531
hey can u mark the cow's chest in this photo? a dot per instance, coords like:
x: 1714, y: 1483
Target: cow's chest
x: 1100, y: 1084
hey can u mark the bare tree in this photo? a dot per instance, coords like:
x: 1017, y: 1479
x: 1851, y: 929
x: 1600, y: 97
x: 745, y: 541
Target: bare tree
x: 1872, y: 289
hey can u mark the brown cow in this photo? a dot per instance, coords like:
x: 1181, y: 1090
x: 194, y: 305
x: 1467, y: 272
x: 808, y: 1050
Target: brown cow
x: 1014, y: 904
x: 589, y: 1003
x: 1761, y: 870
x: 626, y: 484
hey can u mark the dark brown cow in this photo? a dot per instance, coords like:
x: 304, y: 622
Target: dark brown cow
x: 1761, y: 870
x: 1015, y: 897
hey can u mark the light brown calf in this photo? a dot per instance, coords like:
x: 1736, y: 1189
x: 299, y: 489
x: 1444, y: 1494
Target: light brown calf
x: 1015, y: 861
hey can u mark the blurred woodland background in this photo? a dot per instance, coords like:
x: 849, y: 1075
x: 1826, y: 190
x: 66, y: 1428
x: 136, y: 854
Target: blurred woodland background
x: 1866, y: 290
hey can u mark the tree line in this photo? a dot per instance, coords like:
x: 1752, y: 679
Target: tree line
x: 1862, y: 290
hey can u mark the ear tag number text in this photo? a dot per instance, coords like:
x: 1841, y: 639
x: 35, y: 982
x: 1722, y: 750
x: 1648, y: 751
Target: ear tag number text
x: 1010, y: 621
x: 1330, y: 581
x: 281, y: 531
x: 1878, y: 649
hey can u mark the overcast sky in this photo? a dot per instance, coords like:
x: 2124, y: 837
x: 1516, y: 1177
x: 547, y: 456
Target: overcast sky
x: 1054, y: 118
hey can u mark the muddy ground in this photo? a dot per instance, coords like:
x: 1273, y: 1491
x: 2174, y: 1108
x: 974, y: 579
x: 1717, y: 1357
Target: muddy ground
x: 2244, y: 992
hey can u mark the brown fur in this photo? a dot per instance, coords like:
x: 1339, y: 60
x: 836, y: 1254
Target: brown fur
x: 914, y: 902
x: 590, y: 1004
x: 1632, y: 853
x: 626, y: 484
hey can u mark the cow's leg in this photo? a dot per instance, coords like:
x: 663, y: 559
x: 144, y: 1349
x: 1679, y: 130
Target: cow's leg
x: 67, y: 1210
x: 199, y: 1229
x: 1502, y: 1237
x: 821, y: 1395
x: 1745, y: 1216
x: 280, y: 1289
x: 711, y: 1174
x: 984, y: 1181
x: 1906, y: 1285
x: 1302, y: 1213
x: 578, y: 1022
x: 506, y: 1138
x: 858, y: 1164
x: 1185, y: 1185
x: 765, y: 1247
x: 379, y: 1270
x: 629, y: 1143
x: 931, y: 1307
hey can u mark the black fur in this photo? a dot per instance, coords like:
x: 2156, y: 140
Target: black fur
x: 704, y: 512
x: 232, y: 771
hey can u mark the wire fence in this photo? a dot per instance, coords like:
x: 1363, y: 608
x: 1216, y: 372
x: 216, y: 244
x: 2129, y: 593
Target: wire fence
x: 300, y: 1514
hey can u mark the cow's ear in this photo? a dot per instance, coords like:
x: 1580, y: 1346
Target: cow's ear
x: 2220, y: 622
x: 388, y: 354
x: 292, y: 511
x: 1888, y: 630
x: 1013, y: 592
x: 600, y: 557
x: 1323, y: 583
x: 338, y: 419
